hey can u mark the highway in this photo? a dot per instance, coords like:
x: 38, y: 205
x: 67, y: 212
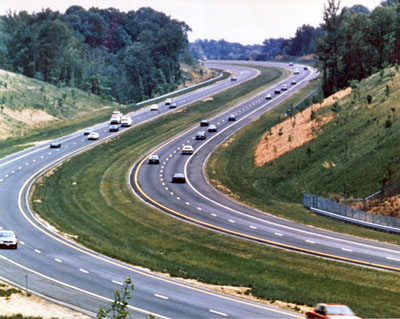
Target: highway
x: 55, y: 267
x: 199, y: 203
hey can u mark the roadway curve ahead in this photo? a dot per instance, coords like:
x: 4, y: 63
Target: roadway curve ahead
x: 58, y: 268
x: 199, y: 203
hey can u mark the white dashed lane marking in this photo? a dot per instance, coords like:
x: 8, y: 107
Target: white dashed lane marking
x: 394, y: 259
x: 118, y: 283
x: 278, y: 234
x: 252, y: 227
x: 218, y: 313
x: 161, y: 296
x: 83, y: 270
x: 310, y: 241
x: 346, y: 249
x: 38, y: 251
x: 58, y: 260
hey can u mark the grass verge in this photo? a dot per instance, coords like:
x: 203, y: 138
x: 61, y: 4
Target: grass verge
x: 89, y: 193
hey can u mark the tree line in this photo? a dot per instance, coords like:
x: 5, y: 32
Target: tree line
x: 128, y: 56
x: 356, y: 43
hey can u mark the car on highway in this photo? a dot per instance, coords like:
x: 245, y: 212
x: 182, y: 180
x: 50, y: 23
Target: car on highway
x: 296, y: 71
x: 233, y: 78
x: 305, y: 68
x: 178, y: 178
x: 204, y: 123
x: 294, y: 82
x: 154, y: 107
x: 331, y: 311
x: 168, y: 101
x: 115, y: 120
x: 55, y: 144
x: 284, y: 87
x: 200, y: 135
x: 277, y: 91
x: 231, y: 117
x: 291, y: 64
x: 268, y: 96
x: 116, y: 113
x: 187, y: 150
x: 126, y: 121
x: 212, y: 128
x: 93, y: 136
x: 8, y: 239
x: 87, y: 131
x: 172, y: 105
x: 154, y: 159
x: 113, y: 128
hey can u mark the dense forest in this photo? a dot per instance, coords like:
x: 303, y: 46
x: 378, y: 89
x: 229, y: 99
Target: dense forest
x: 124, y: 56
x: 357, y: 43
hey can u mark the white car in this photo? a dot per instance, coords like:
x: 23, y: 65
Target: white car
x: 284, y: 87
x: 212, y: 128
x: 8, y: 239
x: 115, y: 120
x: 154, y: 107
x: 294, y: 82
x: 187, y: 150
x: 168, y: 101
x: 93, y: 136
x: 268, y: 96
x: 154, y: 159
x: 296, y: 71
x: 87, y: 131
x: 126, y: 121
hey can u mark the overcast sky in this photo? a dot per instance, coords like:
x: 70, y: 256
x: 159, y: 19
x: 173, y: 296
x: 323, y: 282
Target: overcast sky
x: 243, y: 21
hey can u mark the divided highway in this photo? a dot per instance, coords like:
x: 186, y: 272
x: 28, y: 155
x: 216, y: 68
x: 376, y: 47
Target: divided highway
x: 197, y: 202
x: 56, y: 267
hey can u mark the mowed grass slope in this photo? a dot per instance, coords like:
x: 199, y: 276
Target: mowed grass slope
x: 89, y: 197
x: 360, y: 146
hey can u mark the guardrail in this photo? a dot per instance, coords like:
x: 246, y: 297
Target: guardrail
x: 329, y: 208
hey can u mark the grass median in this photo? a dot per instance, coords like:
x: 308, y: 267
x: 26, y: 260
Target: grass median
x: 88, y: 196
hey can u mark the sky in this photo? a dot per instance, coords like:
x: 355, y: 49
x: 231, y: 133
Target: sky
x: 243, y: 21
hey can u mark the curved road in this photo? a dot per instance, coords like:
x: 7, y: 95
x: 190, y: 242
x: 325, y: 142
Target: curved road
x: 198, y: 202
x: 56, y: 267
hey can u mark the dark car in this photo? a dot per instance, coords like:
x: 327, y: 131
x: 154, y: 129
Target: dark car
x: 154, y: 159
x: 232, y: 117
x: 8, y: 239
x: 305, y: 68
x: 55, y: 144
x: 114, y: 128
x: 172, y: 105
x: 201, y: 135
x: 204, y: 123
x: 178, y: 178
x: 233, y: 78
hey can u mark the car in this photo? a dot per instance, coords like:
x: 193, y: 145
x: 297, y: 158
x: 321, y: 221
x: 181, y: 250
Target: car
x: 115, y: 120
x: 126, y: 121
x: 187, y: 150
x: 154, y: 159
x: 291, y: 64
x: 331, y: 311
x: 87, y: 131
x: 268, y: 96
x: 8, y: 239
x: 284, y: 87
x: 55, y: 144
x: 178, y: 178
x: 277, y: 91
x: 154, y: 107
x: 168, y: 101
x: 231, y: 117
x: 212, y: 128
x: 296, y: 71
x: 93, y: 136
x: 114, y: 128
x: 204, y: 123
x: 201, y: 135
x: 233, y: 78
x: 172, y: 105
x: 305, y: 68
x: 294, y: 82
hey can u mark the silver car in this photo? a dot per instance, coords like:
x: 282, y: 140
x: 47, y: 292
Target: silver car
x: 8, y: 239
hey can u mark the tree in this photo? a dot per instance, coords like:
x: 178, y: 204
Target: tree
x: 119, y: 306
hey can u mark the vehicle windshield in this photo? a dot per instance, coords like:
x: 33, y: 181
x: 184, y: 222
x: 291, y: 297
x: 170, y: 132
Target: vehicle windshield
x: 339, y: 310
x: 6, y: 234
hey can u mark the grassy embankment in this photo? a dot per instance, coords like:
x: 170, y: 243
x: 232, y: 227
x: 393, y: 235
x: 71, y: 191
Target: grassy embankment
x: 350, y: 157
x: 89, y: 193
x: 33, y: 110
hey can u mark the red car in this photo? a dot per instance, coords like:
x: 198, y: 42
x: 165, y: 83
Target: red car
x: 331, y: 311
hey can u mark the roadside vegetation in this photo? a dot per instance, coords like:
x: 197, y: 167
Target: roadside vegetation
x: 89, y: 193
x: 353, y: 156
